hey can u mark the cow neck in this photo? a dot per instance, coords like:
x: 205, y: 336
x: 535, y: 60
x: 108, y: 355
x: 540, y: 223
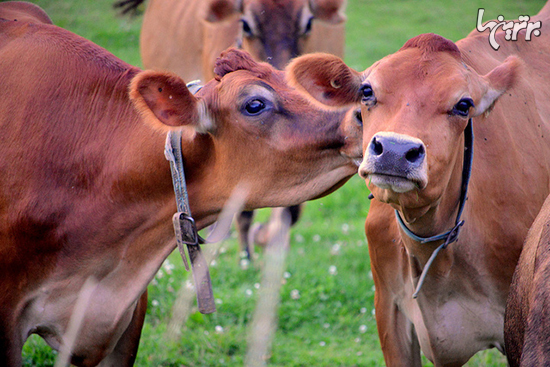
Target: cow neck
x: 451, y: 235
x: 185, y: 228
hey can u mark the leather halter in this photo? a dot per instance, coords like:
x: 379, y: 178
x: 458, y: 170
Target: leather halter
x: 184, y: 224
x: 451, y: 235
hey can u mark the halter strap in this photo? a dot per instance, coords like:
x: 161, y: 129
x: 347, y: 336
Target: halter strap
x: 185, y: 227
x: 451, y: 235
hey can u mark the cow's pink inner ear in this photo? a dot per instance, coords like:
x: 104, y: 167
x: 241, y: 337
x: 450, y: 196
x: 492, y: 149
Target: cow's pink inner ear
x: 326, y: 78
x: 165, y: 96
x: 219, y: 10
x: 331, y: 11
x: 498, y: 81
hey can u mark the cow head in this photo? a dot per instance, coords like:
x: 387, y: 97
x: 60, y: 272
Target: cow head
x: 254, y: 128
x: 415, y: 106
x: 278, y: 30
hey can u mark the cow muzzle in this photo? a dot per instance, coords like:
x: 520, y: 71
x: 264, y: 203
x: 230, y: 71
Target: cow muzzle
x: 396, y: 162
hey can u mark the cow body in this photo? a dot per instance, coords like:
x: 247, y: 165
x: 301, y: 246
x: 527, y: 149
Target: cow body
x: 86, y: 195
x: 416, y: 104
x: 526, y: 323
x: 460, y: 309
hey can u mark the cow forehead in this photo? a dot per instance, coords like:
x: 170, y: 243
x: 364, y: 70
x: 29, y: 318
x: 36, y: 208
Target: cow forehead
x: 275, y: 14
x: 234, y: 87
x: 275, y: 6
x: 438, y: 78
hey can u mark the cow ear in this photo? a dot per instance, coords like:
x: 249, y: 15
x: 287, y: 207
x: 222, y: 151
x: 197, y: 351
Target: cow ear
x: 331, y: 11
x: 495, y: 83
x: 166, y: 102
x: 220, y: 10
x: 326, y: 78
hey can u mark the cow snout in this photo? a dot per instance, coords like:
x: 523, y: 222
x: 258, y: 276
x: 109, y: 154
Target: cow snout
x: 395, y: 161
x: 397, y: 152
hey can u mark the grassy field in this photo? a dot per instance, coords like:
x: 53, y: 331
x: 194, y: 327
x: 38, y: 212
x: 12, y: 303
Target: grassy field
x: 326, y: 315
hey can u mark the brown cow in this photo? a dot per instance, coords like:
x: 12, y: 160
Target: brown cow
x: 86, y: 191
x: 527, y: 321
x: 416, y: 107
x: 187, y: 36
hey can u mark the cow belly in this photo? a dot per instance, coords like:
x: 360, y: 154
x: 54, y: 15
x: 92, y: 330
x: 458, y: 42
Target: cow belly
x: 450, y: 333
x: 102, y: 314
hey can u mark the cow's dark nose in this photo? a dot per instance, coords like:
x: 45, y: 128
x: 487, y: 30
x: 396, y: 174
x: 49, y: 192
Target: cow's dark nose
x: 396, y: 154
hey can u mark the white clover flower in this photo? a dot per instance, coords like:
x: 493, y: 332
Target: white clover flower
x: 219, y: 329
x: 363, y: 310
x: 248, y: 292
x: 286, y: 275
x: 332, y: 270
x: 244, y: 264
x: 326, y: 325
x: 155, y: 303
x: 295, y: 294
x: 257, y: 285
x: 218, y: 301
x: 168, y: 266
x: 322, y: 344
x: 335, y: 250
x: 345, y: 228
x: 299, y: 238
x: 363, y: 329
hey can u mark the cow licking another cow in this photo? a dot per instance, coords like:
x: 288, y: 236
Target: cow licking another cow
x: 86, y: 191
x: 186, y: 37
x: 418, y: 106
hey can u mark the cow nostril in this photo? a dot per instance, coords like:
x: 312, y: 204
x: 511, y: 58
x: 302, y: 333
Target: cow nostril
x: 415, y: 154
x: 376, y: 147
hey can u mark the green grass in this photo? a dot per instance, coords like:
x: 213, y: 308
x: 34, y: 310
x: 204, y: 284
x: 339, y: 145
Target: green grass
x: 332, y: 322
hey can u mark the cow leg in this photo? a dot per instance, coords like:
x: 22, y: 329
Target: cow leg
x: 261, y: 234
x: 397, y: 336
x: 244, y: 221
x: 125, y: 351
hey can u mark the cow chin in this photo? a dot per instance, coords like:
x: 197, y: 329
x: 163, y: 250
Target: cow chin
x: 396, y: 184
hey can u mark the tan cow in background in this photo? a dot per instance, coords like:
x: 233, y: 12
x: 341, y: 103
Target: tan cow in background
x: 186, y: 37
x: 417, y: 105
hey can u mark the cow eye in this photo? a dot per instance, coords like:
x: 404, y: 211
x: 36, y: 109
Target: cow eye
x: 367, y: 95
x: 246, y: 28
x: 462, y: 108
x: 254, y: 107
x: 308, y: 26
